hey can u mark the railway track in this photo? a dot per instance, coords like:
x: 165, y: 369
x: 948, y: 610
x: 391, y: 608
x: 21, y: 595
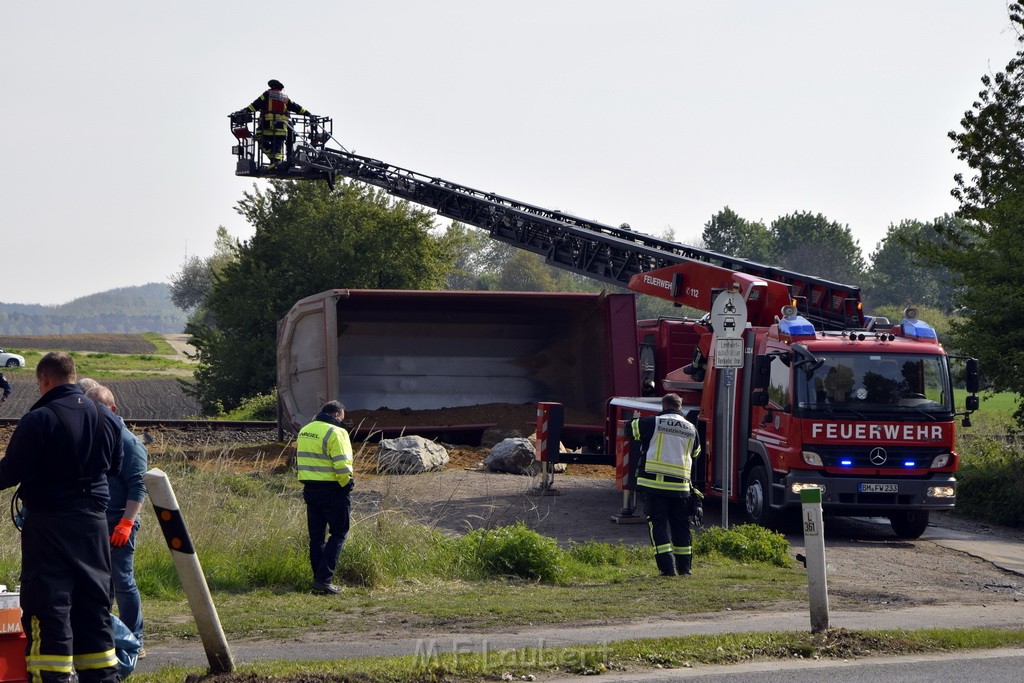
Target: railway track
x: 243, y: 430
x: 184, y: 425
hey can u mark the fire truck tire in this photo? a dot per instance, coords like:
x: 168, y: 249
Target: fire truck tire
x: 757, y: 499
x: 909, y: 523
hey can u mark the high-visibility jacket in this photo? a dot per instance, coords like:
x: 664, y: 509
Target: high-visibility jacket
x: 324, y: 453
x: 669, y: 443
x: 273, y: 107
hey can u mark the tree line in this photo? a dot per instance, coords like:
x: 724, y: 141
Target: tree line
x: 126, y: 310
x: 309, y: 238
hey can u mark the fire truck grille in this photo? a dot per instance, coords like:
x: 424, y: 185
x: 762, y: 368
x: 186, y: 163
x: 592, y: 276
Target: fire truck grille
x: 873, y: 456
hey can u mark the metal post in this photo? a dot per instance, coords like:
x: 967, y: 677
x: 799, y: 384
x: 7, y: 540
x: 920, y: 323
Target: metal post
x: 550, y: 417
x: 726, y: 437
x: 190, y: 573
x: 814, y: 547
x: 624, y: 475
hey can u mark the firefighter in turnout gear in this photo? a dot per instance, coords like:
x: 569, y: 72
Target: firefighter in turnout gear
x: 668, y: 445
x: 61, y: 453
x: 324, y: 459
x: 274, y: 109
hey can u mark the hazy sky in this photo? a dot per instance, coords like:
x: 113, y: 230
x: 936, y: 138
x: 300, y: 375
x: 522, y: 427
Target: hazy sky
x: 116, y: 159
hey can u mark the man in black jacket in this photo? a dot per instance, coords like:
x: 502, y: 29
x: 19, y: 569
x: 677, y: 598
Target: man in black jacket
x: 61, y: 453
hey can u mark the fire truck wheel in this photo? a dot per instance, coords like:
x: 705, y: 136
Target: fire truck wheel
x: 909, y: 523
x: 756, y: 499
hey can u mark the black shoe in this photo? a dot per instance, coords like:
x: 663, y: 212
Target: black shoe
x: 325, y: 588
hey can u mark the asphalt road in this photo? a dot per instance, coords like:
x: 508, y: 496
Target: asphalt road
x: 991, y: 666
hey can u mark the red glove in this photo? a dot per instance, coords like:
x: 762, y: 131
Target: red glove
x: 122, y: 532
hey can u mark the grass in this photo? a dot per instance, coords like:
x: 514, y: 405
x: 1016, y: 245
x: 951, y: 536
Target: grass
x: 250, y: 536
x: 104, y: 365
x: 635, y: 656
x: 161, y: 347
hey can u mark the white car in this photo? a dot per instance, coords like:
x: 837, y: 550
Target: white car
x: 11, y: 360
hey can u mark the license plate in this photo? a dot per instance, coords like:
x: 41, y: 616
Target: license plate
x: 879, y: 488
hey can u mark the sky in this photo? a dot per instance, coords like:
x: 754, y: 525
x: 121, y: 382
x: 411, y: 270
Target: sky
x: 116, y: 147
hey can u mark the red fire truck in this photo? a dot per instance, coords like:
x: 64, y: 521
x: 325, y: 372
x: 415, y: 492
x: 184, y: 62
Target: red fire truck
x: 865, y: 413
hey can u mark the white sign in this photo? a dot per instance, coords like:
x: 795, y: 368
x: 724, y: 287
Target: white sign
x: 728, y: 353
x: 729, y: 315
x: 810, y: 522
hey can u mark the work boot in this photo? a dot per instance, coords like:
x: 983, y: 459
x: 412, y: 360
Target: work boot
x: 325, y: 588
x: 665, y: 564
x: 684, y: 564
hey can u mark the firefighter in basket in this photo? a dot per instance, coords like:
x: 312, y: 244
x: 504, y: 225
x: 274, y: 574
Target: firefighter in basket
x: 275, y: 135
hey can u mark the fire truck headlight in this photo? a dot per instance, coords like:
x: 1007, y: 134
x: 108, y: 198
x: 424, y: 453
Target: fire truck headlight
x: 941, y: 460
x: 797, y: 487
x: 941, y: 492
x: 812, y: 458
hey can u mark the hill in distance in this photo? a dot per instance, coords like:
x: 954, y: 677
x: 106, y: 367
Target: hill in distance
x: 125, y: 310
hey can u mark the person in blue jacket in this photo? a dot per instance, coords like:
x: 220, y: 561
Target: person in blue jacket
x: 61, y: 453
x: 127, y: 494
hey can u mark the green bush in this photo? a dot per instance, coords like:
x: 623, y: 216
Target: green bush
x: 388, y: 546
x: 744, y: 543
x: 515, y: 550
x: 260, y: 407
x: 991, y: 480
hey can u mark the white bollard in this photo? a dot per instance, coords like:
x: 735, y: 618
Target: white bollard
x: 190, y: 573
x: 814, y: 547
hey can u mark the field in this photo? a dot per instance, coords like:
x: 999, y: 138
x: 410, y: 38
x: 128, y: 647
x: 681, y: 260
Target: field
x: 100, y: 343
x: 145, y: 372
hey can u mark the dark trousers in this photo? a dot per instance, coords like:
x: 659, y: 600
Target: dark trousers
x: 327, y: 507
x: 65, y: 596
x: 668, y: 519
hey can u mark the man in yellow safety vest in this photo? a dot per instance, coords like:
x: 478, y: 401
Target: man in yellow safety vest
x: 324, y: 458
x: 668, y: 445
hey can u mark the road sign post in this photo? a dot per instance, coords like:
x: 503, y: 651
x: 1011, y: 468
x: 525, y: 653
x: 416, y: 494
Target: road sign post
x: 728, y: 320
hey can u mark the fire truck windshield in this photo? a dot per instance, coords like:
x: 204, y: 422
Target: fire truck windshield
x: 873, y: 382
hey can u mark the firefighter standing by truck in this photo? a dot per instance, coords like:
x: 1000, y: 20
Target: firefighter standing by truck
x: 61, y: 453
x: 668, y: 445
x: 273, y: 107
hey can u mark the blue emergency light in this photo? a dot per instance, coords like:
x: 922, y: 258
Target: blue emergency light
x: 794, y: 325
x: 846, y: 463
x: 913, y: 327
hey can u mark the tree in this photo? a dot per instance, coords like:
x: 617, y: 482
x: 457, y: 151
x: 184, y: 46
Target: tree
x: 899, y: 277
x: 731, y: 235
x: 471, y: 246
x: 812, y: 244
x: 307, y: 239
x: 986, y: 251
x: 189, y: 287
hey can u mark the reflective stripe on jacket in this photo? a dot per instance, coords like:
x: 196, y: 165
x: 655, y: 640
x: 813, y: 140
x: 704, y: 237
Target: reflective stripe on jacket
x: 670, y: 444
x: 324, y: 453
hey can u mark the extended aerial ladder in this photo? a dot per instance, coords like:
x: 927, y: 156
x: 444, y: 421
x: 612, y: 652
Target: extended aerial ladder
x: 615, y: 255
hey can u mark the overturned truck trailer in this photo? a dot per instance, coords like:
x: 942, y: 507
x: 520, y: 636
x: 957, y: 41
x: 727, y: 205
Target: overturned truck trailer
x: 425, y: 350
